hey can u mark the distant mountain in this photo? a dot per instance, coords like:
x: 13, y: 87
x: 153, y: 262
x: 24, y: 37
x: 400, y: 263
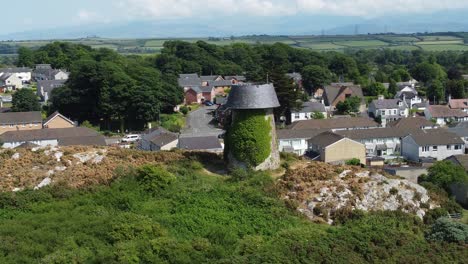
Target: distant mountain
x: 301, y: 24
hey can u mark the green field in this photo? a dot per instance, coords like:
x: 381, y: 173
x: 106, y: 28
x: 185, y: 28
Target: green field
x: 430, y: 42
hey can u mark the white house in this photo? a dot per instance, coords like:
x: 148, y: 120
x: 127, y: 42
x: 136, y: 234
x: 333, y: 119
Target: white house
x: 158, y: 139
x: 23, y: 73
x: 9, y: 82
x: 409, y: 94
x: 388, y: 109
x: 433, y: 143
x: 46, y: 72
x: 307, y: 111
x: 443, y: 114
x: 296, y: 141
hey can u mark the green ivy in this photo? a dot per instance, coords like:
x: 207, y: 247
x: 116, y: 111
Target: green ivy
x: 249, y: 138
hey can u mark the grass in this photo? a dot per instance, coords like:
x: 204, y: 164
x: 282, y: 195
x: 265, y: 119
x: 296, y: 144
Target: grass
x: 465, y: 216
x: 441, y: 42
x: 437, y: 38
x: 444, y: 47
x: 400, y: 39
x: 321, y: 46
x: 365, y: 43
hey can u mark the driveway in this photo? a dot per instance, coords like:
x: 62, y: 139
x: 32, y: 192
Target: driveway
x: 199, y: 123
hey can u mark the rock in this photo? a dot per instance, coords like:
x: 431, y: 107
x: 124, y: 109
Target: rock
x: 58, y: 155
x: 15, y: 156
x: 17, y: 189
x: 47, y: 181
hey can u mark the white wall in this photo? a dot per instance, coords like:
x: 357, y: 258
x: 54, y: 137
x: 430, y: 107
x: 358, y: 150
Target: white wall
x: 413, y: 151
x: 304, y: 116
x: 299, y: 145
x: 42, y: 143
x: 61, y: 76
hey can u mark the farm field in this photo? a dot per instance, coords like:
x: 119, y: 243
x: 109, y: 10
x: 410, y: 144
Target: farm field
x: 429, y: 42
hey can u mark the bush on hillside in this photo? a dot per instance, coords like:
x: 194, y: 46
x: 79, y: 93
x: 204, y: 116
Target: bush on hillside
x: 154, y: 177
x: 450, y: 231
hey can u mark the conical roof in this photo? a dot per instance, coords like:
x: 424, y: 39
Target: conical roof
x: 252, y: 97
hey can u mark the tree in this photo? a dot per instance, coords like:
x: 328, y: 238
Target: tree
x: 400, y: 75
x: 344, y: 66
x: 25, y: 57
x: 349, y: 105
x: 392, y: 88
x: 426, y: 72
x: 287, y: 92
x: 445, y: 173
x: 315, y: 76
x: 436, y: 91
x: 25, y: 100
x: 456, y: 88
x: 318, y: 115
x: 375, y: 89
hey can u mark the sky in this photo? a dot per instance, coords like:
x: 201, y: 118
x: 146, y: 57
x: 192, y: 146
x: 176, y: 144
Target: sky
x: 45, y: 14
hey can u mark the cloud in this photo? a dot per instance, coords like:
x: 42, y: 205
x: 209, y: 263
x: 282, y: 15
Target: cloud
x: 217, y: 8
x: 86, y: 16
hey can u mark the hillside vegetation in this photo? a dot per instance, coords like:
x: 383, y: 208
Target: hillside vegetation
x: 167, y: 208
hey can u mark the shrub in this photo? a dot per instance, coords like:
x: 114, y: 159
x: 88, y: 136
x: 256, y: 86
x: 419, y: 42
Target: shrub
x: 393, y: 191
x: 240, y: 174
x: 432, y: 215
x: 184, y: 110
x: 345, y: 214
x: 450, y: 231
x: 154, y: 177
x: 249, y: 138
x: 353, y: 162
x: 445, y: 173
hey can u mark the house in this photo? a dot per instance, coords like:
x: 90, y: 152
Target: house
x: 220, y: 86
x: 208, y: 93
x: 9, y: 82
x: 460, y: 104
x: 53, y: 137
x: 207, y: 143
x: 46, y: 72
x: 388, y: 109
x: 462, y: 132
x: 336, y: 149
x: 193, y: 95
x: 379, y: 142
x: 438, y: 144
x: 409, y: 94
x: 412, y: 123
x: 296, y: 141
x: 336, y: 124
x: 338, y: 92
x: 209, y: 85
x: 443, y: 114
x: 57, y: 120
x: 158, y: 139
x: 23, y: 73
x: 307, y: 111
x: 45, y: 87
x: 186, y: 81
x: 18, y: 121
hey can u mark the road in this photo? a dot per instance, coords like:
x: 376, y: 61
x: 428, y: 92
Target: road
x: 199, y: 123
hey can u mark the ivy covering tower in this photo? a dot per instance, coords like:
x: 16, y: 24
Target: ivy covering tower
x: 251, y: 136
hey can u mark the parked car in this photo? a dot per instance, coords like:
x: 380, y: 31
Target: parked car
x: 208, y: 103
x: 131, y: 138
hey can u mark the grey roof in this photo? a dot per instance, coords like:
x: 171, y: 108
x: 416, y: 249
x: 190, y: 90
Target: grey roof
x: 47, y: 72
x: 220, y: 100
x: 5, y: 76
x: 335, y: 123
x: 237, y: 77
x: 298, y: 134
x: 49, y: 85
x: 220, y: 83
x: 66, y: 136
x: 200, y: 143
x: 462, y: 124
x: 187, y: 80
x: 460, y: 131
x: 386, y: 104
x: 429, y: 137
x: 362, y: 134
x: 197, y: 89
x: 20, y: 117
x: 209, y: 77
x: 159, y: 136
x: 445, y: 111
x: 309, y: 107
x: 188, y: 75
x: 411, y: 123
x: 206, y: 89
x: 15, y: 70
x: 325, y: 139
x: 252, y: 97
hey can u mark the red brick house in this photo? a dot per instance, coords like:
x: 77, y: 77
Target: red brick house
x: 193, y: 95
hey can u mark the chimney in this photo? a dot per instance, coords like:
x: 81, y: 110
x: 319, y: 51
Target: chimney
x: 381, y: 97
x: 450, y: 97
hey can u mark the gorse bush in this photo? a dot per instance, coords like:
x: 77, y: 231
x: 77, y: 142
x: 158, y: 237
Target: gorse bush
x: 249, y: 137
x: 154, y: 178
x: 448, y: 230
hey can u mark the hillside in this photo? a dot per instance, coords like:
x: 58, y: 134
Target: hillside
x: 102, y: 206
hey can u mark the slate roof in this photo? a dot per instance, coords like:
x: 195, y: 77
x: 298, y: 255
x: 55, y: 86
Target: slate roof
x: 200, y: 143
x: 310, y: 107
x: 15, y: 70
x: 20, y: 117
x: 206, y: 89
x: 196, y: 89
x: 387, y: 104
x: 444, y: 111
x: 159, y: 136
x: 220, y: 83
x: 252, y: 97
x: 5, y: 76
x: 332, y: 92
x: 335, y: 123
x: 460, y: 131
x: 237, y: 77
x: 429, y: 137
x: 362, y: 134
x: 220, y: 100
x: 325, y: 139
x: 411, y: 123
x: 298, y: 134
x: 187, y: 80
x: 458, y: 103
x: 65, y: 136
x: 209, y: 77
x: 49, y: 85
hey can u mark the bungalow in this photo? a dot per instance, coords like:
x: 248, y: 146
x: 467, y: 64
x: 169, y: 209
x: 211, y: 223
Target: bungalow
x: 336, y: 149
x: 23, y: 73
x: 193, y: 95
x: 158, y: 139
x: 338, y: 92
x: 18, y: 121
x: 207, y: 143
x: 57, y: 120
x: 438, y: 144
x: 307, y: 111
x: 45, y: 72
x: 53, y: 137
x: 9, y: 82
x: 296, y: 141
x: 388, y: 109
x: 45, y: 88
x: 462, y: 132
x: 443, y: 114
